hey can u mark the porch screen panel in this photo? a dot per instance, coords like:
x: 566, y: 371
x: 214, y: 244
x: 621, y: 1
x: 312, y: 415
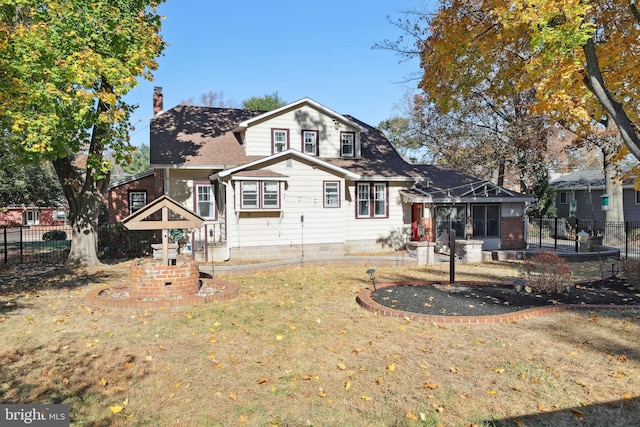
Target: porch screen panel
x: 493, y: 221
x: 478, y: 213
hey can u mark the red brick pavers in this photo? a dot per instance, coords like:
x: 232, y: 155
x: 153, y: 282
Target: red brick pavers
x: 134, y: 303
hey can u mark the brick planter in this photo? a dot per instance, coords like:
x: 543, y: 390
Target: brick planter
x: 150, y: 279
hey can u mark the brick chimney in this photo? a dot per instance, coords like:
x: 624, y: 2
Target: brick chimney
x: 158, y: 101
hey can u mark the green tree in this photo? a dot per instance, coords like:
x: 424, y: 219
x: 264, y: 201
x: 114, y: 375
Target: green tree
x: 139, y: 161
x: 264, y: 103
x: 66, y: 67
x: 29, y: 185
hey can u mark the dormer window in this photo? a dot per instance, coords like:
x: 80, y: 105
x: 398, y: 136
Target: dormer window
x: 310, y: 142
x: 280, y: 138
x: 347, y: 144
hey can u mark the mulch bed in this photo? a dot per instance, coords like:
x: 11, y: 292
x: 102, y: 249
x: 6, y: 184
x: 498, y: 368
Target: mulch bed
x: 487, y: 300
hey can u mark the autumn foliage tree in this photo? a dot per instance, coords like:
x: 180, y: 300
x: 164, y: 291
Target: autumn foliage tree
x: 66, y: 66
x: 580, y: 57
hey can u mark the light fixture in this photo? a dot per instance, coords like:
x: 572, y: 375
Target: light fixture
x: 372, y: 275
x: 336, y: 124
x: 613, y: 262
x: 518, y: 284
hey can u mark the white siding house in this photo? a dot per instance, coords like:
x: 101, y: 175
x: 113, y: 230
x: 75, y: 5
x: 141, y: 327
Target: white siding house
x: 304, y: 180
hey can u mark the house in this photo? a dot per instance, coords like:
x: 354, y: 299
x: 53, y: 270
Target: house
x: 17, y: 216
x: 130, y: 194
x: 579, y: 195
x: 304, y: 180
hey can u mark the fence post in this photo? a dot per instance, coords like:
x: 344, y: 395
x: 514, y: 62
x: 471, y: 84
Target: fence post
x: 6, y: 247
x: 626, y: 239
x: 555, y: 233
x: 540, y: 233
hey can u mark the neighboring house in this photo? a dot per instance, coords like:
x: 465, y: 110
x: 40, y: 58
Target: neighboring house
x: 579, y: 195
x: 127, y: 195
x: 303, y: 180
x: 16, y: 216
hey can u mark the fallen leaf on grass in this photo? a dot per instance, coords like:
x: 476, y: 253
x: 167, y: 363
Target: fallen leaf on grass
x: 578, y: 414
x: 411, y: 416
x: 366, y: 398
x: 347, y: 385
x: 498, y: 370
x: 431, y: 386
x: 115, y: 409
x: 391, y: 368
x: 492, y: 392
x: 342, y: 366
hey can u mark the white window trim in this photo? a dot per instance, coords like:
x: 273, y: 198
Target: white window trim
x: 316, y: 148
x: 352, y: 145
x: 325, y: 194
x: 372, y: 199
x: 273, y: 139
x: 129, y: 196
x: 260, y: 195
x: 212, y: 201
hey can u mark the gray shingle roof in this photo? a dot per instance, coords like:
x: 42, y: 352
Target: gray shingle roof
x: 580, y: 179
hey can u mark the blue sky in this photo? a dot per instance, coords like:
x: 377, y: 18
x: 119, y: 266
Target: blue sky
x: 316, y: 49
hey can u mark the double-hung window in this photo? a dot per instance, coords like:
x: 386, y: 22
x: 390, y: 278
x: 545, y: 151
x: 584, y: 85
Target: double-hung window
x: 372, y: 200
x: 137, y: 200
x: 331, y: 194
x: 280, y: 140
x: 204, y: 200
x: 310, y: 142
x: 347, y: 144
x: 260, y: 194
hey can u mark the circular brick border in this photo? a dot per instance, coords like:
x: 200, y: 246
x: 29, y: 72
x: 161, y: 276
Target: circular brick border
x: 364, y: 300
x: 133, y: 303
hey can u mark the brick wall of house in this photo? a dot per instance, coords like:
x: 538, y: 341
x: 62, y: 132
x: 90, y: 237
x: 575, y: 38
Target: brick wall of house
x: 118, y: 197
x: 13, y: 216
x: 512, y: 233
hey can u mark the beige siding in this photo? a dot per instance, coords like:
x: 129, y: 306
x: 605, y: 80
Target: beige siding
x: 378, y: 229
x: 301, y: 195
x: 258, y: 137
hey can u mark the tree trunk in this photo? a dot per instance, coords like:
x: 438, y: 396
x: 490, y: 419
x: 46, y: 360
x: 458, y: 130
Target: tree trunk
x: 84, y: 195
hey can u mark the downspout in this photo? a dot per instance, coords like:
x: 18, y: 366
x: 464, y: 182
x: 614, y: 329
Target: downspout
x: 227, y: 254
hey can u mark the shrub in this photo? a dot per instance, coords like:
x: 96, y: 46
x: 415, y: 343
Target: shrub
x: 54, y: 235
x: 546, y: 273
x: 630, y: 269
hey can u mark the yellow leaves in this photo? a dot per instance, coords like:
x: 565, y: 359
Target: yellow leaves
x: 431, y: 386
x: 279, y: 337
x: 498, y: 370
x: 578, y: 414
x: 391, y: 368
x: 232, y: 396
x: 342, y: 366
x: 365, y: 398
x: 117, y: 408
x: 347, y: 385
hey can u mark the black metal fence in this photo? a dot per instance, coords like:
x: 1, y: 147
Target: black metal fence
x: 51, y: 244
x: 562, y: 234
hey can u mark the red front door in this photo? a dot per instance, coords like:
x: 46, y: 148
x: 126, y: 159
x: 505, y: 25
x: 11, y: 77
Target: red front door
x: 416, y: 222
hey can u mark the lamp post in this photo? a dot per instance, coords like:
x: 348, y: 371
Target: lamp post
x: 518, y: 284
x: 372, y: 275
x: 613, y: 262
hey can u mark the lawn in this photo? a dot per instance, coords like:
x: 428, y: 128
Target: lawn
x: 294, y: 349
